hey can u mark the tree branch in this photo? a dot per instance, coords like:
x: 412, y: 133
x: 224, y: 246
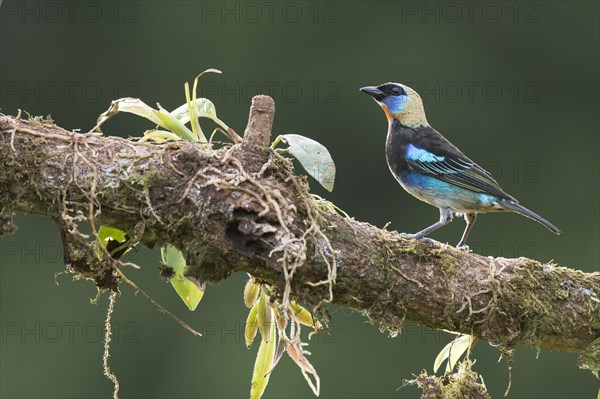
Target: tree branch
x: 235, y: 208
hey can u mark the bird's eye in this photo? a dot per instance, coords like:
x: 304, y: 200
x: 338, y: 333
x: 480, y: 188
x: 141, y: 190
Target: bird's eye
x: 396, y: 91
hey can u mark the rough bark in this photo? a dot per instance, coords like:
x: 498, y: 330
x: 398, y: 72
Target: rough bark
x: 235, y: 209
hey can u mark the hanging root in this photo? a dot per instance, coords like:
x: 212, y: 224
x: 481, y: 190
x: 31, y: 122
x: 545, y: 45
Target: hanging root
x: 156, y: 304
x: 107, y: 338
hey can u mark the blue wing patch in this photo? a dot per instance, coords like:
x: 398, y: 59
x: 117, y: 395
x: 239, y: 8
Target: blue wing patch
x: 421, y: 155
x: 459, y: 172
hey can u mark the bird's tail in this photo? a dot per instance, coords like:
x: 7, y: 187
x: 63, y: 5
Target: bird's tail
x: 520, y: 209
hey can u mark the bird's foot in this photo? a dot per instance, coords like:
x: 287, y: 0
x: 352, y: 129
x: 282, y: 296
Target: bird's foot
x: 421, y: 238
x: 463, y: 247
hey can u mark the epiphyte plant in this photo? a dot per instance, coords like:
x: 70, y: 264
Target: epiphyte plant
x: 269, y: 316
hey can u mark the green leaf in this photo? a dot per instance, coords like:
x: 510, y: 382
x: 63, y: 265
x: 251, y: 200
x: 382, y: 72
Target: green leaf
x: 160, y: 117
x: 195, y: 108
x: 192, y: 112
x: 441, y: 357
x: 189, y: 291
x: 251, y: 325
x: 313, y: 157
x: 130, y: 105
x: 204, y: 109
x: 160, y: 136
x: 453, y: 352
x: 173, y: 124
x: 112, y: 239
x: 262, y: 365
x: 303, y: 316
x: 251, y: 291
x: 105, y: 233
x: 265, y: 316
x: 203, y: 106
x: 461, y: 345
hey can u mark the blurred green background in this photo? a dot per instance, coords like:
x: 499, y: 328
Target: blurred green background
x: 514, y: 84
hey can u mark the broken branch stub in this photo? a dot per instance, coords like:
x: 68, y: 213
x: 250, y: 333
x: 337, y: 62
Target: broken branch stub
x: 257, y: 135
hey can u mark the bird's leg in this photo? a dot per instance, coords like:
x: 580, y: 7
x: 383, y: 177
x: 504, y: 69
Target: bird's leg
x: 445, y: 218
x: 470, y: 219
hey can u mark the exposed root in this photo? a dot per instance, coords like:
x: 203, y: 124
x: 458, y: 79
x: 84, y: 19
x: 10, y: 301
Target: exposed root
x: 107, y: 338
x: 404, y: 276
x: 313, y: 230
x: 494, y: 288
x: 156, y: 304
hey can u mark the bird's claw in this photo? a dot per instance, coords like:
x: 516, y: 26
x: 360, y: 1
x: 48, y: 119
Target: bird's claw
x: 463, y: 247
x: 423, y: 239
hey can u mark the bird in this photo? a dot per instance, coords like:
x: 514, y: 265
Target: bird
x: 434, y: 170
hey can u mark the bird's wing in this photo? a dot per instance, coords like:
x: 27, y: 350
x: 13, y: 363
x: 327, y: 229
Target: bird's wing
x: 430, y: 153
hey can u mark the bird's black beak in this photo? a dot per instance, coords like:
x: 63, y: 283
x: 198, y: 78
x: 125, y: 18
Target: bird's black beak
x: 374, y: 92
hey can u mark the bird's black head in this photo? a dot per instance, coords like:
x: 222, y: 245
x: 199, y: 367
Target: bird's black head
x: 399, y: 102
x: 383, y: 91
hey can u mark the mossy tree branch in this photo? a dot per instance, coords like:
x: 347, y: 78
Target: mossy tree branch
x: 224, y: 209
